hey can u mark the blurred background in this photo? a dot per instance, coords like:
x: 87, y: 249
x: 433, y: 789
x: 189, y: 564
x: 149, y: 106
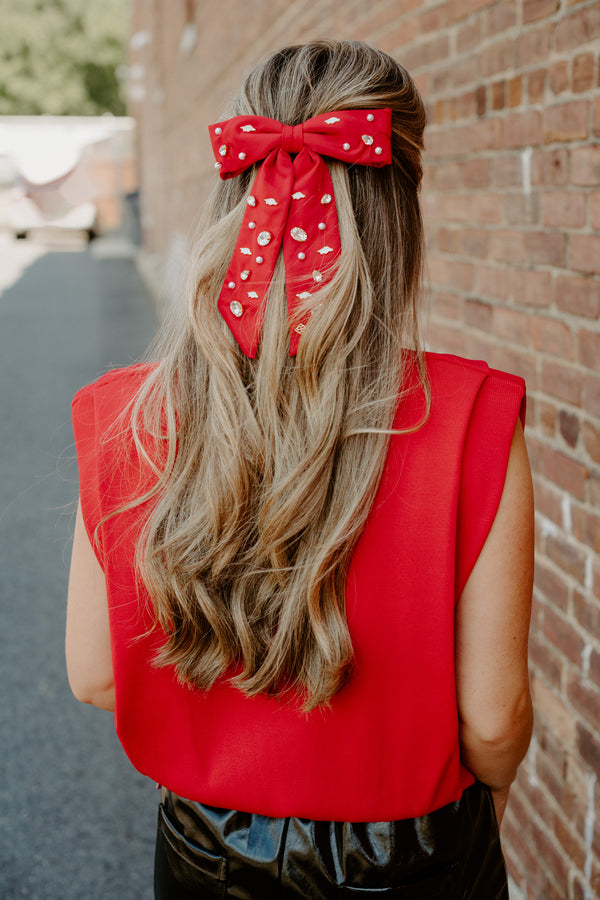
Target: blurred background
x: 104, y: 170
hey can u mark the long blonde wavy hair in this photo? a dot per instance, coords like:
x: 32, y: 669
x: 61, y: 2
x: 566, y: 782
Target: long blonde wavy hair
x: 271, y: 465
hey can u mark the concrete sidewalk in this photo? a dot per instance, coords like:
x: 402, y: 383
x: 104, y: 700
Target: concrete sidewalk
x: 77, y: 821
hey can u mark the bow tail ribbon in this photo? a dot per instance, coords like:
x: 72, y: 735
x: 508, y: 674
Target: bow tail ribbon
x: 290, y: 203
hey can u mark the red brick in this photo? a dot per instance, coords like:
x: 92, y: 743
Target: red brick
x: 585, y: 253
x: 548, y: 415
x: 578, y: 296
x: 567, y: 555
x: 563, y: 208
x: 594, y: 203
x: 545, y: 248
x: 478, y: 315
x: 523, y: 129
x: 559, y: 631
x: 550, y: 167
x: 586, y: 528
x: 559, y: 76
x: 583, y: 72
x: 533, y: 288
x: 552, y: 337
x: 493, y: 282
x: 468, y: 36
x: 591, y: 442
x: 448, y: 240
x: 553, y: 709
x: 552, y: 585
x: 591, y: 395
x: 501, y: 17
x: 522, y: 209
x: 450, y: 273
x: 536, y: 85
x: 595, y: 668
x: 534, y: 45
x: 585, y: 699
x: 520, y: 362
x: 446, y: 338
x: 588, y: 343
x: 569, y: 427
x: 508, y: 246
x: 596, y: 116
x: 476, y: 173
x: 486, y: 208
x: 566, y: 122
x: 498, y: 95
x: 585, y: 165
x: 511, y: 325
x: 476, y: 243
x: 546, y: 661
x: 507, y: 171
x: 446, y: 176
x: 587, y: 612
x: 498, y: 57
x: 566, y: 472
x: 538, y: 9
x: 448, y: 306
x: 487, y: 135
x: 515, y: 91
x: 578, y: 29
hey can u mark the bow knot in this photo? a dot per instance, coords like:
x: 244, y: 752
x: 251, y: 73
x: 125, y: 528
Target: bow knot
x: 292, y: 138
x: 290, y: 206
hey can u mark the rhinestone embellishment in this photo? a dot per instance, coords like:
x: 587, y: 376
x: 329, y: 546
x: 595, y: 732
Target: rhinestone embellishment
x: 245, y: 274
x: 325, y: 199
x: 251, y: 201
x: 246, y: 251
x: 300, y: 328
x: 264, y: 238
x: 248, y: 128
x: 259, y: 259
x: 236, y: 308
x: 346, y: 146
x: 370, y: 117
x: 242, y: 155
x: 271, y: 201
x: 218, y: 130
x: 332, y: 120
x: 317, y: 276
x: 218, y: 165
x: 367, y: 139
x: 378, y: 151
x: 298, y: 195
x: 223, y: 149
x: 251, y: 225
x: 301, y: 255
x: 325, y: 250
x: 253, y: 295
x: 231, y: 285
x: 304, y: 295
x: 321, y: 226
x: 298, y: 234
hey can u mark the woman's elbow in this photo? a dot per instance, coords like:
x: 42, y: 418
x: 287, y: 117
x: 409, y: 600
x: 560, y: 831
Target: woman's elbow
x: 509, y: 726
x: 101, y: 695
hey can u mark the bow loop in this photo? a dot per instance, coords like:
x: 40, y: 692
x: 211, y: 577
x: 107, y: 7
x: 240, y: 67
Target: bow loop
x: 290, y: 205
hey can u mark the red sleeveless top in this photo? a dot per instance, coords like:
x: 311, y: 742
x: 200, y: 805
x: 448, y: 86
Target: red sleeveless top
x: 388, y: 747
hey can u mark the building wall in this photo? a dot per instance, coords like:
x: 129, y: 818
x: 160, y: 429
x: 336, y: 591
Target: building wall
x: 512, y: 207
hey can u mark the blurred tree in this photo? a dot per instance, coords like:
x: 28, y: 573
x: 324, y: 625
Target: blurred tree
x: 61, y: 56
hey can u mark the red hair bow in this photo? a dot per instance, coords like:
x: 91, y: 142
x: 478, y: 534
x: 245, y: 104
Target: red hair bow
x: 291, y: 203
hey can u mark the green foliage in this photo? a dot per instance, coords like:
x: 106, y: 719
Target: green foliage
x: 61, y: 56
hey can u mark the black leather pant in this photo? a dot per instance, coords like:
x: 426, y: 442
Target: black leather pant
x: 451, y: 854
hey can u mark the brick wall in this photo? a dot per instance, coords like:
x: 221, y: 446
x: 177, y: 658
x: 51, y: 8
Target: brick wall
x: 512, y: 206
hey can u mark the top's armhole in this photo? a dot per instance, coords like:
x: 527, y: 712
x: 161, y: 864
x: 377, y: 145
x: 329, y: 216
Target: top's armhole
x: 501, y: 400
x: 84, y: 430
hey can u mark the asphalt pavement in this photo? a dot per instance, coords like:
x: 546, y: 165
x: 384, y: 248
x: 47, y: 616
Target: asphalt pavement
x: 77, y: 822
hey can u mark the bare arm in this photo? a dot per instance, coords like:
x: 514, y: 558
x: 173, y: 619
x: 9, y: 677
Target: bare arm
x: 87, y: 645
x: 492, y: 627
